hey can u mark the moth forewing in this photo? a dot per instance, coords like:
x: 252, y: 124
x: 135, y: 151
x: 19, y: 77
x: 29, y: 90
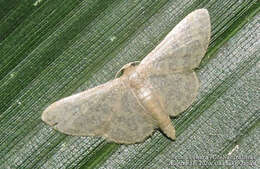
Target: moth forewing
x: 183, y: 47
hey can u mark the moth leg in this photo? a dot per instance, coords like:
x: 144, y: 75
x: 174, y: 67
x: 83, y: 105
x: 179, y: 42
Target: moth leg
x: 127, y: 66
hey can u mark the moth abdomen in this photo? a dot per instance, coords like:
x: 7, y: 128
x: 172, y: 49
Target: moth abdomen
x: 153, y: 104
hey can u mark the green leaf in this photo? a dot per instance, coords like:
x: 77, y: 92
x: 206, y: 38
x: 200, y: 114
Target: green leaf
x: 52, y: 49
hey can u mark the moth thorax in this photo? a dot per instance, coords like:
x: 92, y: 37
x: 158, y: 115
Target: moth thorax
x: 135, y: 81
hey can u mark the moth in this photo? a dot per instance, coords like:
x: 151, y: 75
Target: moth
x: 128, y: 109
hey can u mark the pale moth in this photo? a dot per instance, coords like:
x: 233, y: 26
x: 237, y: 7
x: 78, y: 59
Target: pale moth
x: 129, y: 108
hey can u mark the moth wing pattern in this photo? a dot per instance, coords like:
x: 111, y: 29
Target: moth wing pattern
x: 177, y: 90
x: 184, y: 46
x: 170, y: 65
x: 109, y: 110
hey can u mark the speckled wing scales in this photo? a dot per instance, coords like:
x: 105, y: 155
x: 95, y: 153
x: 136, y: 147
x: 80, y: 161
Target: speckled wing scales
x: 178, y: 90
x: 184, y: 46
x: 109, y: 110
x: 170, y: 65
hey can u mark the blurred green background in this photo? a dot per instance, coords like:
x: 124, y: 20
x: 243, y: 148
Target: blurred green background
x: 50, y: 49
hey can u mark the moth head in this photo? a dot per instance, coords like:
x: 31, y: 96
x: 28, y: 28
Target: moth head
x: 127, y: 69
